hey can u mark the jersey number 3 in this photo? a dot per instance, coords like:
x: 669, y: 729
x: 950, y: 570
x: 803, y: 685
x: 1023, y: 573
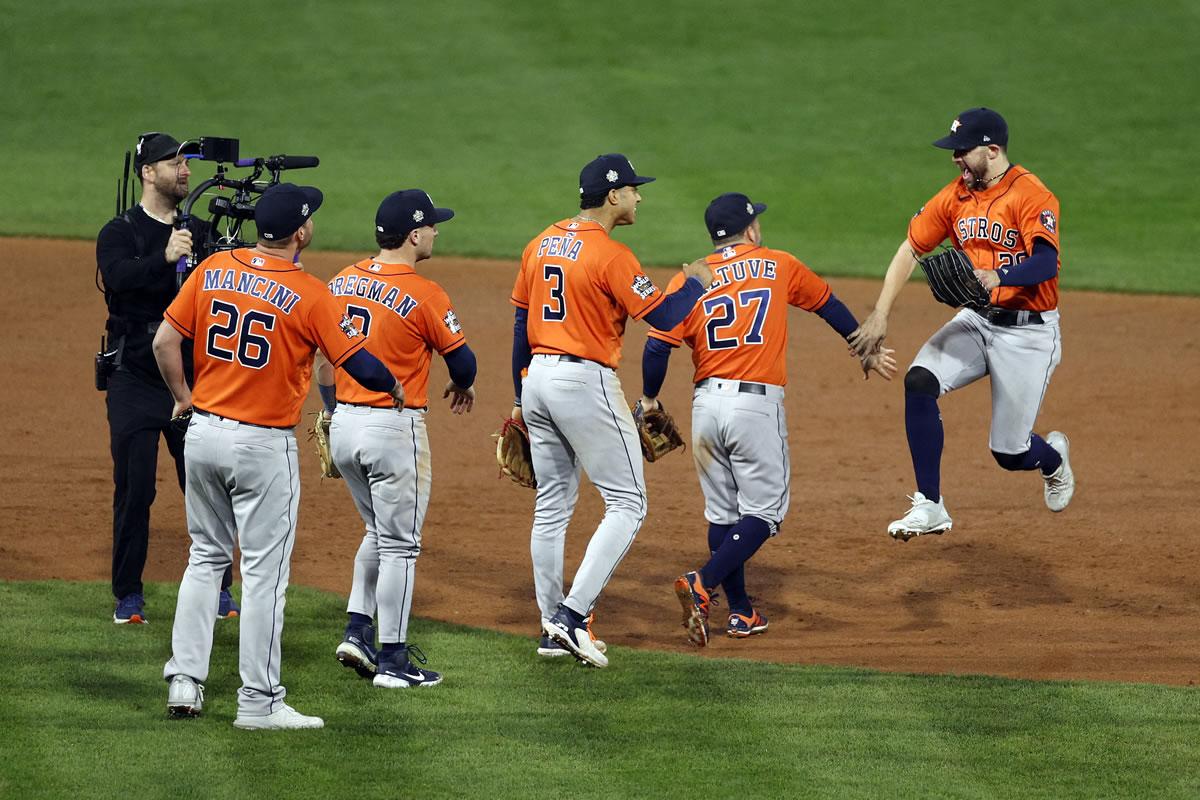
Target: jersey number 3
x: 556, y: 309
x: 253, y: 348
x: 722, y: 313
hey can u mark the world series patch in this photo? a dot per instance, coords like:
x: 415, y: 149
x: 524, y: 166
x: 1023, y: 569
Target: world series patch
x: 348, y: 328
x: 643, y: 287
x: 1048, y: 221
x: 451, y: 322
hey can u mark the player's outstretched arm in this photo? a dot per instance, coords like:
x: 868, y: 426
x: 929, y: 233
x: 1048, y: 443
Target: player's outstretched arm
x: 655, y: 357
x: 167, y: 341
x: 867, y: 338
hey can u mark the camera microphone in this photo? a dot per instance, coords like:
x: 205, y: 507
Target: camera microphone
x: 292, y: 162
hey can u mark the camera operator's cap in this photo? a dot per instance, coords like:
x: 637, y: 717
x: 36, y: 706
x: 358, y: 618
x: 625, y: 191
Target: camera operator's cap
x: 155, y: 146
x: 975, y: 127
x: 284, y: 208
x: 611, y: 171
x: 407, y: 210
x: 730, y: 214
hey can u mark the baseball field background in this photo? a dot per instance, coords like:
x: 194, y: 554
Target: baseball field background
x: 823, y: 111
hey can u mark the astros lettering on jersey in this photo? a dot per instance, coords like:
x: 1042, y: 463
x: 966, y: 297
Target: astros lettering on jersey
x: 738, y: 329
x: 251, y: 315
x: 560, y: 271
x: 412, y: 316
x: 996, y: 228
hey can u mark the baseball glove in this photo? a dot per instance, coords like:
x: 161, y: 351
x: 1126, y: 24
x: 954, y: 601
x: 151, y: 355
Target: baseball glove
x: 320, y: 432
x: 952, y: 280
x: 513, y: 453
x: 657, y: 431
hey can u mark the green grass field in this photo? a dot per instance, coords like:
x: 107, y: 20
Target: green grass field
x: 83, y: 710
x: 824, y: 111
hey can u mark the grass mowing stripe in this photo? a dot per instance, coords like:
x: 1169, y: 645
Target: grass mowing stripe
x: 824, y: 114
x: 87, y: 703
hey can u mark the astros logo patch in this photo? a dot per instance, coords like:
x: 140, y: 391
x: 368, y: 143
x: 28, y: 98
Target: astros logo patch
x: 1048, y: 221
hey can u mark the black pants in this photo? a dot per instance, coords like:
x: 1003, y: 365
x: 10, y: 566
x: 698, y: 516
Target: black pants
x: 138, y: 413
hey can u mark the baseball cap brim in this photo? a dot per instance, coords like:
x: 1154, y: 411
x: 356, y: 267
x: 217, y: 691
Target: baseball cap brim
x: 759, y: 208
x: 956, y: 142
x: 442, y: 215
x: 638, y: 180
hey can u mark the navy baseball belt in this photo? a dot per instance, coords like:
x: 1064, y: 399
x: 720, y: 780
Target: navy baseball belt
x: 204, y: 413
x: 1009, y: 317
x: 746, y: 387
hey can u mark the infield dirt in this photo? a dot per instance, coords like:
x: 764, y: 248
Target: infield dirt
x: 1107, y: 590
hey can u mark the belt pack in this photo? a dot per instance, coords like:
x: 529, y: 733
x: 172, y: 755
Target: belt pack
x: 1009, y: 317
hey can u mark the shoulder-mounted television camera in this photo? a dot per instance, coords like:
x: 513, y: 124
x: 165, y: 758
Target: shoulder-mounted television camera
x: 219, y: 225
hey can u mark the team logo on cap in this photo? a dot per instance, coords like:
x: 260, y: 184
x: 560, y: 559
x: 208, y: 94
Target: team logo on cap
x: 954, y: 126
x: 611, y: 175
x: 418, y: 215
x: 451, y: 322
x: 304, y: 210
x: 1048, y: 221
x: 749, y: 208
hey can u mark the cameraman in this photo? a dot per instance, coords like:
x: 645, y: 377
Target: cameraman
x: 137, y: 253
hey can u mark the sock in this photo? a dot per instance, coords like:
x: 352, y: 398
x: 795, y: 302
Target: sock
x: 923, y: 424
x: 358, y: 621
x: 741, y: 543
x: 716, y: 536
x: 1043, y: 455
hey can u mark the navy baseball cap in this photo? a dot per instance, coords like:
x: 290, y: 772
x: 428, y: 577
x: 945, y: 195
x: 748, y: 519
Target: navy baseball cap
x: 611, y: 171
x: 155, y: 146
x: 407, y: 210
x: 730, y: 214
x: 284, y: 208
x: 974, y: 127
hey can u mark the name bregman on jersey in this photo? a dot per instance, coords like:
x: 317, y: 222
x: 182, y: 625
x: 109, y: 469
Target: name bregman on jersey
x: 252, y: 284
x: 372, y: 289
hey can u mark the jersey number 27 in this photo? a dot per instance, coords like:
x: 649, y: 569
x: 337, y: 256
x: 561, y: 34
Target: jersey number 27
x: 722, y: 312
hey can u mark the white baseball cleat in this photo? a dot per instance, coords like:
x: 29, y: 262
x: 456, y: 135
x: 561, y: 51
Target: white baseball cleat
x: 286, y: 718
x: 575, y: 635
x: 185, y: 697
x: 1060, y: 484
x: 925, y: 517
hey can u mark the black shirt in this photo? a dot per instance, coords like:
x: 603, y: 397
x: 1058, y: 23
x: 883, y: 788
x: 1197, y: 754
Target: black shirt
x: 139, y: 285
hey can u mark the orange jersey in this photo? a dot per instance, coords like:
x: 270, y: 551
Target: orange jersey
x: 255, y: 321
x: 580, y: 286
x: 996, y: 228
x: 405, y: 317
x: 739, y: 328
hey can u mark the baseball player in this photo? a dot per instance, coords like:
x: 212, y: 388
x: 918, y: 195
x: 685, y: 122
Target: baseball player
x: 1006, y: 221
x: 136, y: 253
x: 576, y: 288
x: 738, y: 336
x: 383, y: 454
x: 255, y: 318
